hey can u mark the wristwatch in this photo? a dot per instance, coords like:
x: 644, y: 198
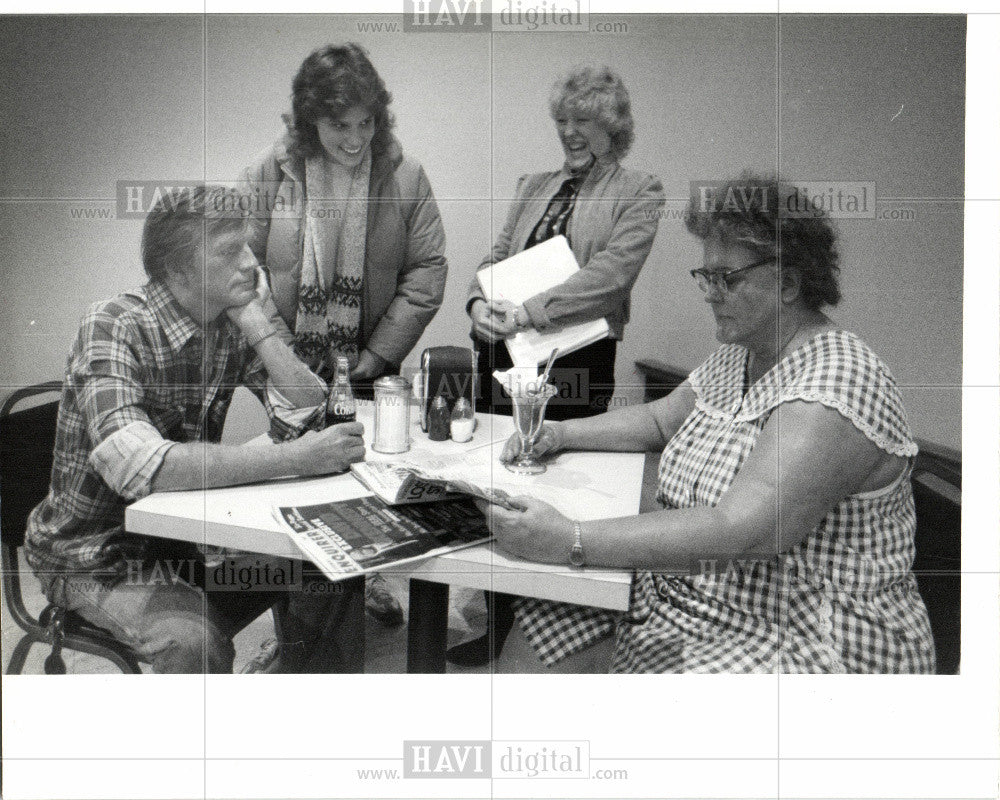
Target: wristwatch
x: 576, y: 552
x: 261, y: 335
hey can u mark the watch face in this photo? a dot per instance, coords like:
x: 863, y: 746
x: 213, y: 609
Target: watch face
x: 576, y: 556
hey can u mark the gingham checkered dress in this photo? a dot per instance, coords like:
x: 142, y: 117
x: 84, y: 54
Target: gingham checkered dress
x: 843, y: 600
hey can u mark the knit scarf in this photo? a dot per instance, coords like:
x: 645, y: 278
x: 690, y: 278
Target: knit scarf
x: 328, y: 317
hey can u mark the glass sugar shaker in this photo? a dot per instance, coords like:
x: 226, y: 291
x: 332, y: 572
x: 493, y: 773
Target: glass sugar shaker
x: 392, y: 414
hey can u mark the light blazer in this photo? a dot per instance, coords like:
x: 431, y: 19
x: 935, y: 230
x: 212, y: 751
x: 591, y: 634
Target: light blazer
x: 611, y: 232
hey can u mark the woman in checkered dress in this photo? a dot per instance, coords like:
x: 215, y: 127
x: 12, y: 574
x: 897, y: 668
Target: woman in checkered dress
x: 786, y: 536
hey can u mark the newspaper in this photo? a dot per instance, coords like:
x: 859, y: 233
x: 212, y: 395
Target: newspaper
x: 351, y: 537
x: 526, y: 274
x: 429, y: 479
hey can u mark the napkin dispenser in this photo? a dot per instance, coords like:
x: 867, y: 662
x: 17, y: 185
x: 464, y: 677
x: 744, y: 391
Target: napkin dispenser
x: 446, y: 371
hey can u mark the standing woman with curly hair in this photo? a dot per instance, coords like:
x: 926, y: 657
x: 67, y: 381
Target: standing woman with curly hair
x: 351, y: 238
x: 348, y: 231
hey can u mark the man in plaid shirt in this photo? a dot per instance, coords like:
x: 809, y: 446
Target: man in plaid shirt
x: 147, y: 387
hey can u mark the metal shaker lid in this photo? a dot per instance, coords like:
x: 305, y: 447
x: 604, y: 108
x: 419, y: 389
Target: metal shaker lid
x: 392, y: 383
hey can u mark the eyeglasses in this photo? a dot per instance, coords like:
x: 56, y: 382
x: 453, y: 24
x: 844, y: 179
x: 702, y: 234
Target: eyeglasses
x: 724, y: 281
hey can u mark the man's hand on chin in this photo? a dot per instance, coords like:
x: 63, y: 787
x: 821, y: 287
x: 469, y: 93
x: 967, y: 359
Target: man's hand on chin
x: 250, y: 316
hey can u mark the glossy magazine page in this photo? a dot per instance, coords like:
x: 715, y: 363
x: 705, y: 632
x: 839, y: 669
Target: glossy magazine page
x: 349, y: 537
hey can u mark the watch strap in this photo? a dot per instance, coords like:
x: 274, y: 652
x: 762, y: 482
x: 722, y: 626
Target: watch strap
x: 261, y: 335
x: 576, y: 557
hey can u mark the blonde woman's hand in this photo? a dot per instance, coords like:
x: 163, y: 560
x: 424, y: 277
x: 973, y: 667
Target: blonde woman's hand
x: 490, y: 320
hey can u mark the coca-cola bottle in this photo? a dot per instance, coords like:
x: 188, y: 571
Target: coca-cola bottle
x: 340, y: 405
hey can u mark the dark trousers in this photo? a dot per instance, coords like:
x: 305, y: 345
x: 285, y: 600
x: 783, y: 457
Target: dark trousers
x: 181, y: 614
x: 585, y: 379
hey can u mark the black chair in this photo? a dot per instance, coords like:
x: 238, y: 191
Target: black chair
x: 937, y: 493
x: 27, y: 439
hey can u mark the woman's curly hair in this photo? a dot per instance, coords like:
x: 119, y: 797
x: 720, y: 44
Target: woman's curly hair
x: 756, y: 212
x: 332, y: 80
x: 600, y: 92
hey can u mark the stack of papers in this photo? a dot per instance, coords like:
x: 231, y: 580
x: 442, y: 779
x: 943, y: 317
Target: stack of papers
x: 523, y: 276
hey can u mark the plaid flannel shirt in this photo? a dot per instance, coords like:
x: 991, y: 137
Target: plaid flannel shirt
x: 141, y: 376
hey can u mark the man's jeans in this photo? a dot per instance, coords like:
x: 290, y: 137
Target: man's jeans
x: 181, y: 615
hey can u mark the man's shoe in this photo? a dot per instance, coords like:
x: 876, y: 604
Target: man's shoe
x: 380, y: 603
x: 499, y: 620
x: 265, y: 661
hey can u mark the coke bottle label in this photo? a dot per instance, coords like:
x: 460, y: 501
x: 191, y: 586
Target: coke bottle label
x: 340, y: 412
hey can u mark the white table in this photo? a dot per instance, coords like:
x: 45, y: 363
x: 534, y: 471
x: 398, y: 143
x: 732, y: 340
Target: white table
x: 582, y: 485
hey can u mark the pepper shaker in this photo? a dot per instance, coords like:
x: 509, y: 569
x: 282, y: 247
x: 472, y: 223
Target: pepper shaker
x: 439, y: 420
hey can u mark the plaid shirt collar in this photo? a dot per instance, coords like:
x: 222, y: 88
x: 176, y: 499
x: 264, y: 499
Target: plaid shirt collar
x: 175, y: 321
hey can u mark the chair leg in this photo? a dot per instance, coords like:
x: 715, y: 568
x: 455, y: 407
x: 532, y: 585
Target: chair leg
x: 54, y: 664
x: 126, y: 663
x: 20, y: 654
x: 117, y: 653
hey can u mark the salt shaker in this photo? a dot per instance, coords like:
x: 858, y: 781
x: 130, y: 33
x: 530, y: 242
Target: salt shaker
x: 463, y: 420
x: 439, y: 420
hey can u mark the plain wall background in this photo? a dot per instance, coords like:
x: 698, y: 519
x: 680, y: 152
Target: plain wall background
x: 88, y: 101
